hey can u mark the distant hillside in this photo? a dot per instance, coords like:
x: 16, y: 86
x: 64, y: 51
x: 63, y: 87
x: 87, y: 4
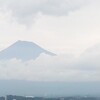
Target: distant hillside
x: 59, y: 89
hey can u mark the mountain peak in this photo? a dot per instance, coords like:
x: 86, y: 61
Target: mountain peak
x: 23, y: 50
x: 24, y: 42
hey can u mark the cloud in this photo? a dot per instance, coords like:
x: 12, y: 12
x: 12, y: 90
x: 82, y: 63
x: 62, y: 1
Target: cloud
x: 25, y: 10
x: 89, y: 59
x: 73, y: 33
x: 46, y: 68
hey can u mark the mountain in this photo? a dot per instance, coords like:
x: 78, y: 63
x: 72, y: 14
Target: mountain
x: 89, y: 60
x: 49, y: 89
x: 23, y: 50
x: 92, y: 52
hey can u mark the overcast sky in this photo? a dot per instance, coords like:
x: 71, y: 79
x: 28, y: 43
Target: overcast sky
x: 61, y: 26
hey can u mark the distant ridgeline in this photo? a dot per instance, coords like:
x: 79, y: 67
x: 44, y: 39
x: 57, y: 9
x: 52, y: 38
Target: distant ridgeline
x: 14, y: 97
x: 23, y: 50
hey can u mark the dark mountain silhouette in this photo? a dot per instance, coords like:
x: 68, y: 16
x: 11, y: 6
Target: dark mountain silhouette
x: 23, y: 50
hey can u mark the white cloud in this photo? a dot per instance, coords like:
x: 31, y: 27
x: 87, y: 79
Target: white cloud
x: 47, y: 68
x: 25, y: 10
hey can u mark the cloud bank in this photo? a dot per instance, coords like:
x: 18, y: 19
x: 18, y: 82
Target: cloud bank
x: 25, y: 10
x: 47, y: 68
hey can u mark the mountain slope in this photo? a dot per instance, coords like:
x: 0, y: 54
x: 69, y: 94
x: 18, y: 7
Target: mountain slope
x: 92, y: 52
x: 23, y: 50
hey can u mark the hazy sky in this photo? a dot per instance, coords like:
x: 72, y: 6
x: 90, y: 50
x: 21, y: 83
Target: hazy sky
x: 61, y: 26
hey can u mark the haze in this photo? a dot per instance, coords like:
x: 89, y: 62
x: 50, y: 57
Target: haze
x: 68, y: 28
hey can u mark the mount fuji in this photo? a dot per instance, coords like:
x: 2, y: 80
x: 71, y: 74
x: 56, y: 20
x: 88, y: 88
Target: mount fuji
x: 23, y: 50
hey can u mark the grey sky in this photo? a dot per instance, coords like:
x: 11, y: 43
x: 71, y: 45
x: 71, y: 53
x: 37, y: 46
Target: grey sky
x: 70, y: 27
x: 61, y: 26
x: 25, y: 10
